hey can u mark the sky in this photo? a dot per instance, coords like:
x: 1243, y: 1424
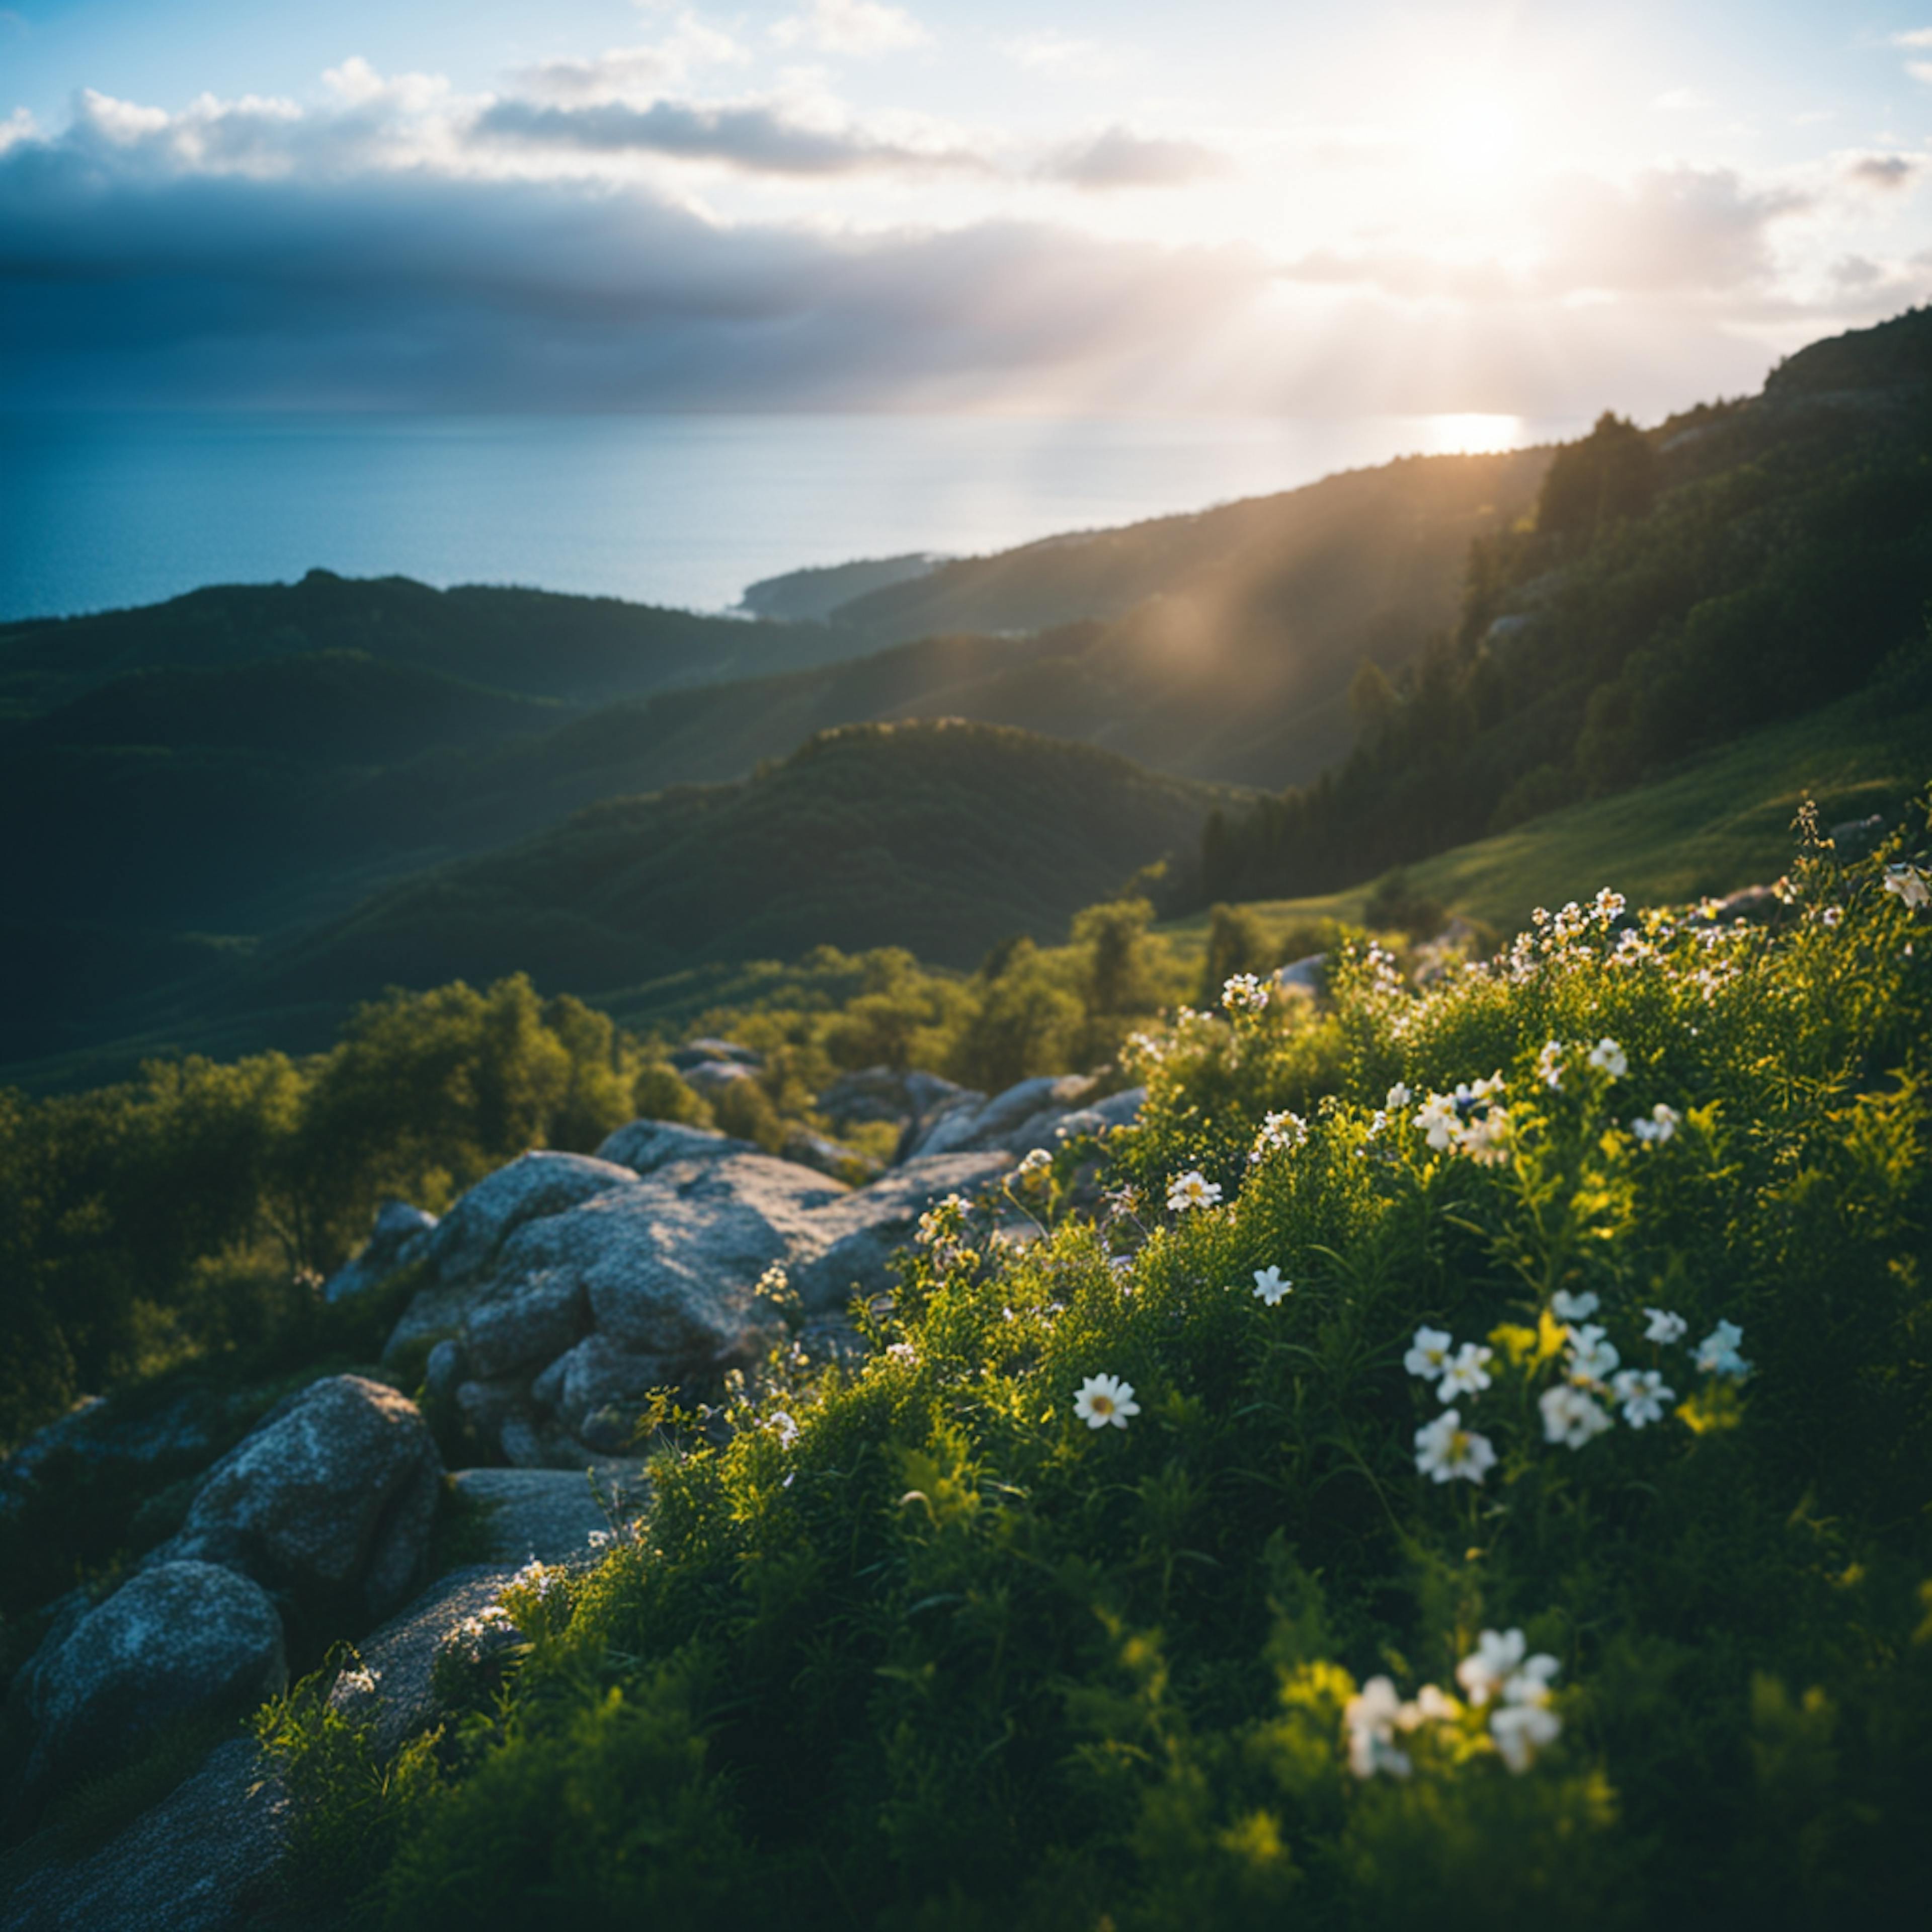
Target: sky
x: 1266, y: 207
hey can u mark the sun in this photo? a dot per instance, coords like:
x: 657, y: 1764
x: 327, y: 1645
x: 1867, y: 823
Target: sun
x: 1473, y: 133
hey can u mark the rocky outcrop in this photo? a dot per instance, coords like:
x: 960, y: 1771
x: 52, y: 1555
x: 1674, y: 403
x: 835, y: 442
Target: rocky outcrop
x: 400, y: 1228
x: 547, y: 1515
x: 645, y: 1146
x: 180, y: 1639
x: 331, y: 1501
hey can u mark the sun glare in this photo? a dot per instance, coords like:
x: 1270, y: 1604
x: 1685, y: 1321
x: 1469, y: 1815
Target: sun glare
x: 1472, y: 434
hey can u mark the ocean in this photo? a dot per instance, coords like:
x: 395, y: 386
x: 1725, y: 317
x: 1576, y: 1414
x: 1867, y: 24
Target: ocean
x: 101, y: 511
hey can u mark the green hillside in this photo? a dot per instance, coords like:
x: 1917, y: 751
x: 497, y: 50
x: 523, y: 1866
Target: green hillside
x: 1736, y: 566
x: 941, y: 837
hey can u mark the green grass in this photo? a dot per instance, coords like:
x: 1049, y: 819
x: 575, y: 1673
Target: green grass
x: 1722, y: 822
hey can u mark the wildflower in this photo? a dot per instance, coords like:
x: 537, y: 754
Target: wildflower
x: 1103, y: 1399
x: 1399, y: 1097
x: 941, y: 1219
x: 1568, y: 1307
x: 1550, y: 1066
x: 1909, y: 883
x: 1244, y: 994
x: 1664, y: 1326
x: 1608, y: 905
x: 1280, y: 1132
x: 1432, y: 1706
x: 1429, y: 1357
x: 1037, y: 1162
x: 1609, y: 1057
x: 1437, y: 1119
x: 600, y: 1539
x: 1570, y: 1416
x: 1643, y: 1395
x: 1192, y: 1190
x: 1468, y: 1374
x: 1592, y: 1355
x: 1444, y: 1450
x: 1832, y: 916
x: 1521, y: 1730
x: 1718, y: 1353
x: 1370, y: 1718
x: 1663, y: 1122
x: 1487, y: 1141
x: 902, y: 1351
x: 782, y: 1426
x: 1269, y: 1286
x: 1494, y: 1661
x: 535, y: 1577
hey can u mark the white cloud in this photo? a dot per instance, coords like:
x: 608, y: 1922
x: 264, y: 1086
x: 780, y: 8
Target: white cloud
x: 1915, y: 37
x: 1920, y: 70
x: 1117, y: 158
x: 851, y: 27
x: 1677, y: 100
x: 638, y: 74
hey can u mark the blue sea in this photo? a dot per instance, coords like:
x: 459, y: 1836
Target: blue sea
x: 101, y: 511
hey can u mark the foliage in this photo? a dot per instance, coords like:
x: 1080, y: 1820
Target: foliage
x: 927, y: 1651
x: 1679, y: 587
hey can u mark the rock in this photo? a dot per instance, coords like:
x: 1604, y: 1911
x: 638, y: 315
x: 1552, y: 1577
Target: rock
x: 1857, y: 836
x: 402, y: 1654
x: 597, y: 1391
x: 1303, y: 978
x: 332, y: 1498
x: 1762, y: 905
x: 827, y: 1156
x: 645, y: 1146
x: 668, y: 1263
x: 881, y: 1094
x: 180, y: 1639
x: 465, y: 1244
x: 710, y: 1077
x: 861, y: 1232
x: 549, y: 1514
x: 1006, y: 1120
x: 519, y: 1319
x: 443, y: 1371
x: 710, y: 1052
x: 399, y: 1227
x: 205, y: 1859
x: 1117, y: 1110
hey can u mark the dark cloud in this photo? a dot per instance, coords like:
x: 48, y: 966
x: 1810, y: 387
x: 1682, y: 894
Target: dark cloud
x: 758, y: 137
x: 126, y: 284
x: 1119, y: 158
x: 1882, y: 172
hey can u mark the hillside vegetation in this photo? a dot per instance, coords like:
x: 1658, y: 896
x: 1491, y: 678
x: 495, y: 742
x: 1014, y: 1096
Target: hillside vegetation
x: 1738, y: 565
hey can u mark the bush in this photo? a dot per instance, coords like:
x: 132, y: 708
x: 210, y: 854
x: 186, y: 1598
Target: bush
x: 935, y: 1652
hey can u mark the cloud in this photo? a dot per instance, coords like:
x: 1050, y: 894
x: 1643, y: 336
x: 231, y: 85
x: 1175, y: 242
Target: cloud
x: 125, y: 278
x: 1916, y: 36
x: 759, y: 137
x: 851, y: 27
x: 1119, y: 158
x: 1677, y: 100
x: 638, y: 74
x: 1883, y: 172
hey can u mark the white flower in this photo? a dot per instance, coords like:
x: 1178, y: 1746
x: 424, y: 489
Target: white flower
x: 1908, y: 882
x: 1718, y: 1353
x: 1521, y: 1730
x: 941, y: 1219
x: 1038, y: 1161
x: 1103, y: 1399
x: 1832, y: 915
x: 1370, y: 1718
x: 1608, y: 905
x: 1609, y: 1057
x: 1444, y: 1450
x: 1643, y: 1395
x: 1269, y: 1286
x: 1244, y: 994
x: 1468, y: 1374
x: 902, y: 1351
x: 1432, y: 1706
x: 782, y: 1426
x: 1570, y: 1416
x: 1439, y: 1120
x: 1664, y: 1326
x: 1568, y: 1307
x: 1399, y: 1097
x: 1663, y: 1122
x: 1487, y: 1141
x: 601, y: 1539
x: 1491, y: 1664
x: 1192, y: 1189
x: 1592, y: 1355
x: 1550, y: 1066
x: 1283, y: 1131
x: 1429, y: 1357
